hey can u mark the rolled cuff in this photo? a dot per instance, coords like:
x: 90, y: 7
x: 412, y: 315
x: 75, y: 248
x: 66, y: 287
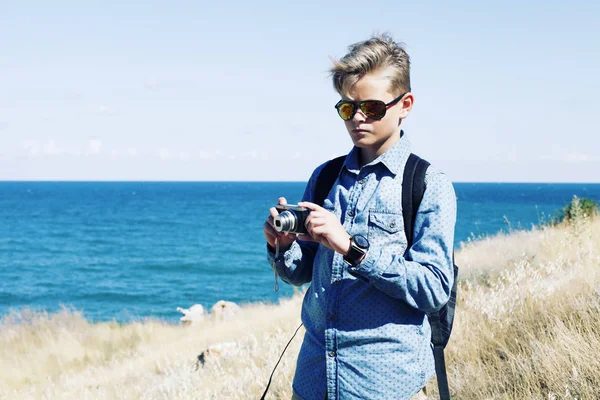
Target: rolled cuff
x: 368, y: 269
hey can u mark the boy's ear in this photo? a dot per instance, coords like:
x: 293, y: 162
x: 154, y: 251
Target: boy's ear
x: 407, y: 104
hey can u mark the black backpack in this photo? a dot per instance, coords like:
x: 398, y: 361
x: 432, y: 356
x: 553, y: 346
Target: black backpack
x: 413, y: 188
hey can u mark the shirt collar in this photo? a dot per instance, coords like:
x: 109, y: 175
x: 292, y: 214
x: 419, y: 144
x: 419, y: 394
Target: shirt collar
x: 393, y: 159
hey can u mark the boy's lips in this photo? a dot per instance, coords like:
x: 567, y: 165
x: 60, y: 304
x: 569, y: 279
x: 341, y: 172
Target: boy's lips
x: 358, y: 131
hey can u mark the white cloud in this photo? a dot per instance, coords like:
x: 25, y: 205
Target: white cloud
x: 51, y: 147
x: 572, y: 157
x: 95, y: 146
x: 164, y: 154
x: 184, y: 155
x: 209, y: 155
x: 578, y: 157
x: 28, y: 144
x: 129, y: 152
x: 151, y: 83
x: 174, y: 82
x: 32, y: 148
x: 101, y: 109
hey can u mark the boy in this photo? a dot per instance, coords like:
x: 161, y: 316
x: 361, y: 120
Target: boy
x: 367, y: 335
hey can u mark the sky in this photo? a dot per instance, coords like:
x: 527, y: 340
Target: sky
x: 240, y: 91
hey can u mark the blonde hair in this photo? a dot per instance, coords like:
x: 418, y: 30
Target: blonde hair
x: 379, y: 53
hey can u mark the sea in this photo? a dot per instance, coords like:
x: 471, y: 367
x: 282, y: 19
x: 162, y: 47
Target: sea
x: 128, y: 251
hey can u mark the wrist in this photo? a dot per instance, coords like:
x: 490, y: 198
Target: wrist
x: 349, y: 245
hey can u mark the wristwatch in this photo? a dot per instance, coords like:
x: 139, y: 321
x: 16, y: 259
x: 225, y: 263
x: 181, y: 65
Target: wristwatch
x: 359, y: 246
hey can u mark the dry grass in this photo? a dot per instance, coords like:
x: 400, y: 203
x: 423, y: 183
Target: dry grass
x: 526, y: 328
x: 528, y: 314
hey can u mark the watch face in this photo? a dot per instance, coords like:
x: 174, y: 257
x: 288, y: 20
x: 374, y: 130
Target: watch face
x: 361, y: 241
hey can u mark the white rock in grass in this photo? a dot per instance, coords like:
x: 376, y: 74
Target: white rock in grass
x: 192, y: 315
x: 217, y: 351
x: 223, y: 310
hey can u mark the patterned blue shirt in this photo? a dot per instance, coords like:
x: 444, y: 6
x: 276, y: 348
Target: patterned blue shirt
x: 367, y: 334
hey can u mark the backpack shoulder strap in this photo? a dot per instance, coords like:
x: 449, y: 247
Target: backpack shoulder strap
x: 327, y: 178
x: 413, y: 188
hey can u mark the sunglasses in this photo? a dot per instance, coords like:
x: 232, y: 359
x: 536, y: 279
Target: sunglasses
x: 374, y: 109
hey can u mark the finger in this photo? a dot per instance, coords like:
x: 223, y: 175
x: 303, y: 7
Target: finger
x: 307, y: 238
x: 269, y: 230
x: 308, y: 219
x: 273, y: 211
x: 312, y: 215
x: 270, y: 221
x: 318, y: 231
x: 269, y: 236
x: 315, y: 222
x: 276, y: 233
x: 290, y: 236
x: 311, y: 206
x: 282, y: 201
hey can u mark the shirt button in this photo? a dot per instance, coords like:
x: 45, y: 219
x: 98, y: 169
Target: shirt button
x: 332, y: 354
x: 392, y: 225
x: 351, y: 213
x: 331, y: 317
x: 362, y: 182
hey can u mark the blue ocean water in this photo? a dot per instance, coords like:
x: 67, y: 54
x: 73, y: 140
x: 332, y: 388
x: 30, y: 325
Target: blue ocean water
x: 129, y: 250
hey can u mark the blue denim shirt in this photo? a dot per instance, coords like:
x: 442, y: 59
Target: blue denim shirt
x: 367, y: 334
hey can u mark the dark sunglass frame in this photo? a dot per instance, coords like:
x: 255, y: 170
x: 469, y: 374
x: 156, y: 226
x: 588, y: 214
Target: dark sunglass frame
x: 362, y: 105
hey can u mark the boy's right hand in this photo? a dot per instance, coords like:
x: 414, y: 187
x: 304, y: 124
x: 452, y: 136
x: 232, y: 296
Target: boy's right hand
x: 285, y: 239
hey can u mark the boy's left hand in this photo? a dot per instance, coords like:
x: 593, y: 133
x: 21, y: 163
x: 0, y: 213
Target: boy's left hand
x: 324, y: 227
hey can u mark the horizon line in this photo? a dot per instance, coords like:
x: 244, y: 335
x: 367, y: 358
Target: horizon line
x: 248, y: 181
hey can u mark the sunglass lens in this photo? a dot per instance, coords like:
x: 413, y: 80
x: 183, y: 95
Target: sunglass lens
x: 373, y: 109
x: 346, y: 111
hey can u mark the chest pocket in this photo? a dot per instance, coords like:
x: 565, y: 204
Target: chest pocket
x: 386, y: 230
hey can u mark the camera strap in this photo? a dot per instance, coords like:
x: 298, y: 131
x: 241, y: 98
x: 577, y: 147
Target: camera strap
x: 280, y: 357
x: 276, y: 288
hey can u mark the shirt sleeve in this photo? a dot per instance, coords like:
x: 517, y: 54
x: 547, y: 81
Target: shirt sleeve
x: 426, y: 280
x: 295, y: 265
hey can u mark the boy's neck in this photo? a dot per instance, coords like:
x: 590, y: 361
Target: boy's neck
x: 367, y: 155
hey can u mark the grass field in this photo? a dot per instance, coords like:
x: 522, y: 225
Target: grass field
x: 527, y: 325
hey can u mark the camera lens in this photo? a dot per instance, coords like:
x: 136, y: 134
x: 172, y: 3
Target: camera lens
x: 285, y: 222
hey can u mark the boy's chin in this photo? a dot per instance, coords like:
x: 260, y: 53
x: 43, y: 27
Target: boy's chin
x: 361, y: 140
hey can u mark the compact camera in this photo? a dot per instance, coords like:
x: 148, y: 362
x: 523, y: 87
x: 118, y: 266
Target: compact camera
x: 291, y: 219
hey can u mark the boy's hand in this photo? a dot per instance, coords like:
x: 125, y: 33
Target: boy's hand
x: 285, y: 239
x: 324, y: 227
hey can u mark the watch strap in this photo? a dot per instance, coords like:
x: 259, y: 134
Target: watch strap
x: 355, y: 254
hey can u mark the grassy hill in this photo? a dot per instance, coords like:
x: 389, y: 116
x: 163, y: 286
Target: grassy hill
x: 527, y: 325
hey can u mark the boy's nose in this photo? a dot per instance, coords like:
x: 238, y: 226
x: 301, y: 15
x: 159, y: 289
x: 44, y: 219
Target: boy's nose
x: 359, y: 116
